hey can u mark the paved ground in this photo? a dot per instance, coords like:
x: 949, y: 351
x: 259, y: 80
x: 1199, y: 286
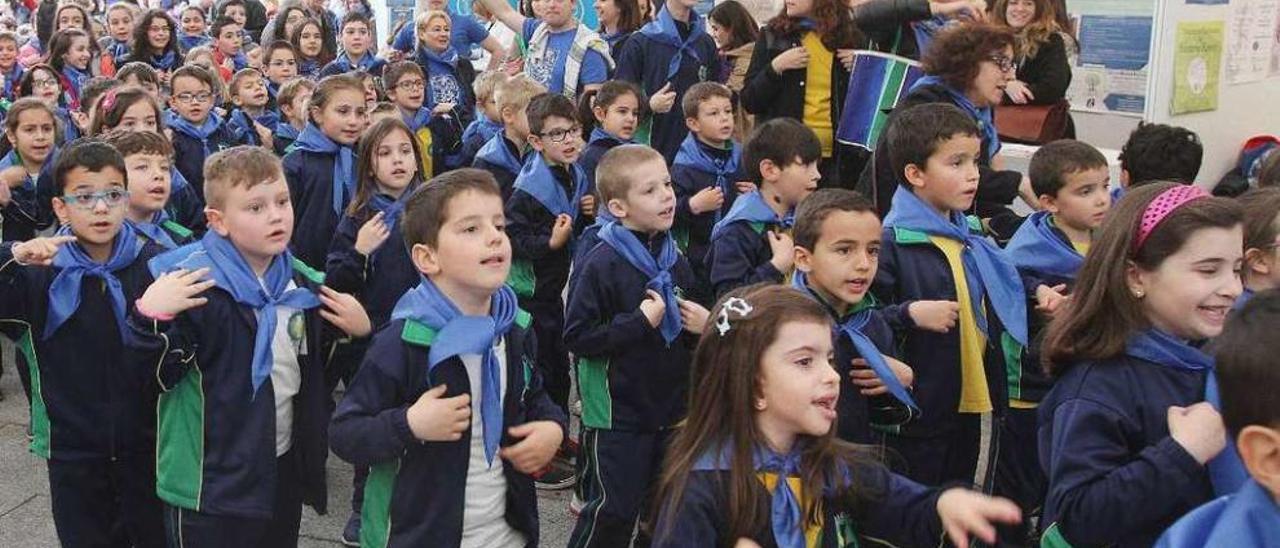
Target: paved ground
x: 25, y: 519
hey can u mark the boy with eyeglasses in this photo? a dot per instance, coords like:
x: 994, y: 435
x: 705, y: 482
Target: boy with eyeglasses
x: 279, y: 65
x: 92, y: 405
x: 406, y: 86
x: 198, y: 131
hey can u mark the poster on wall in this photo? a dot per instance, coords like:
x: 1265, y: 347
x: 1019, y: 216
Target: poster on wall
x: 1197, y: 59
x: 1251, y: 38
x: 1110, y: 73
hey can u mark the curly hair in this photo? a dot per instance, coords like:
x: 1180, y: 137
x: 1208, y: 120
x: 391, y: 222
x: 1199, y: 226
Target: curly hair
x: 1028, y: 39
x: 957, y: 53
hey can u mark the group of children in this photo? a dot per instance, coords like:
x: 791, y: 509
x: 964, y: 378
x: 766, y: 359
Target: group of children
x: 756, y: 360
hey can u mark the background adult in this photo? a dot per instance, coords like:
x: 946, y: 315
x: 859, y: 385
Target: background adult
x: 1039, y: 49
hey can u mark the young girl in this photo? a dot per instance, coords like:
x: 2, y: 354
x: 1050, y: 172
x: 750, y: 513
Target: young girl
x: 142, y: 75
x: 155, y: 42
x: 194, y: 29
x: 1125, y: 432
x: 735, y: 32
x: 449, y: 94
x: 768, y: 409
x: 308, y: 39
x: 616, y: 108
x: 30, y: 131
x: 1261, y: 241
x: 41, y: 82
x: 68, y: 16
x: 321, y: 168
x: 119, y: 28
x: 69, y: 54
x: 618, y: 19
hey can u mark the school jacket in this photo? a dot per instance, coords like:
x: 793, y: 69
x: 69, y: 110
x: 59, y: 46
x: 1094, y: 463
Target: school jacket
x: 630, y: 378
x: 502, y: 158
x: 693, y: 232
x: 186, y: 206
x: 378, y: 280
x: 90, y: 399
x: 416, y: 492
x: 591, y: 156
x: 904, y: 513
x: 1116, y: 476
x: 740, y: 256
x: 189, y: 154
x: 913, y: 269
x: 1030, y: 382
x: 216, y: 439
x: 538, y: 273
x: 23, y: 217
x: 644, y: 61
x: 310, y: 178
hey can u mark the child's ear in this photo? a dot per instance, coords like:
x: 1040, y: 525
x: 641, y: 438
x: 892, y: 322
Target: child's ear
x: 216, y: 221
x: 1135, y: 280
x: 693, y: 125
x: 914, y: 176
x: 1259, y: 448
x: 597, y: 111
x: 535, y: 142
x: 1048, y: 203
x: 1256, y: 263
x: 804, y: 260
x: 235, y: 99
x: 61, y: 211
x: 617, y: 207
x: 424, y: 259
x: 769, y: 171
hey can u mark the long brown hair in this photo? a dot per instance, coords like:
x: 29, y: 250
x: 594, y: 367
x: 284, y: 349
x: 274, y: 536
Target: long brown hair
x: 365, y: 155
x: 1028, y: 39
x: 1102, y: 313
x: 725, y: 380
x: 833, y: 21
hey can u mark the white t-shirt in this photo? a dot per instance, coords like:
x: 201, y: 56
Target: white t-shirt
x: 484, y: 522
x: 287, y: 344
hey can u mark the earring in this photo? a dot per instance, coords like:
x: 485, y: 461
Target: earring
x: 760, y: 405
x: 1138, y: 293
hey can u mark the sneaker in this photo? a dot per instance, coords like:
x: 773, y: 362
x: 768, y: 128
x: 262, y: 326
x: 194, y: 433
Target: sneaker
x: 554, y: 477
x: 351, y: 533
x: 575, y: 505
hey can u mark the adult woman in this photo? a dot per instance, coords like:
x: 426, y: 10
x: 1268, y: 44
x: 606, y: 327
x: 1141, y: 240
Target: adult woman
x: 449, y: 79
x: 967, y: 66
x: 799, y: 67
x: 1039, y: 49
x: 735, y: 32
x: 618, y: 19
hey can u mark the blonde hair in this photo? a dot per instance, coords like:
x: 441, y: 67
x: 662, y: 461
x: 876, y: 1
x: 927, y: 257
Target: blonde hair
x: 516, y: 92
x: 617, y: 170
x: 242, y: 166
x: 487, y: 83
x: 423, y: 19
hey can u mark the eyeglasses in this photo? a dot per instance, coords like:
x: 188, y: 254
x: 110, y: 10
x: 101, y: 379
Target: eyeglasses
x: 1005, y: 64
x: 559, y: 135
x: 202, y: 97
x: 411, y: 85
x: 88, y: 200
x: 45, y: 82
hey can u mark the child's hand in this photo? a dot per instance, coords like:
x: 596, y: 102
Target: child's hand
x: 707, y: 199
x: 344, y: 312
x: 784, y: 251
x: 870, y: 384
x: 693, y: 315
x: 264, y: 135
x: 39, y: 251
x: 662, y: 100
x: 561, y: 231
x: 587, y: 205
x: 6, y: 195
x: 175, y: 292
x: 1048, y: 299
x: 442, y: 108
x: 936, y: 316
x: 846, y: 58
x: 745, y: 187
x: 1199, y: 430
x: 540, y: 441
x: 966, y: 513
x: 434, y: 418
x: 746, y: 543
x: 653, y: 307
x: 372, y: 233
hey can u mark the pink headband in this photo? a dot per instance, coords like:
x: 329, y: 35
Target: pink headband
x: 1160, y: 208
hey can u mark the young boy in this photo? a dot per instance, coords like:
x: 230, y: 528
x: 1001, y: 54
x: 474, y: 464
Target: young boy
x: 356, y: 36
x: 954, y: 300
x: 666, y: 57
x: 148, y: 168
x: 837, y: 244
x: 227, y: 41
x: 280, y: 64
x: 626, y: 324
x: 252, y: 118
x: 241, y: 421
x: 11, y: 70
x: 554, y: 42
x: 193, y: 33
x: 448, y: 408
x: 406, y: 87
x: 237, y: 11
x: 293, y: 99
x: 1159, y: 152
x: 92, y: 411
x: 198, y: 131
x: 488, y: 120
x: 706, y: 169
x: 752, y: 244
x: 505, y: 153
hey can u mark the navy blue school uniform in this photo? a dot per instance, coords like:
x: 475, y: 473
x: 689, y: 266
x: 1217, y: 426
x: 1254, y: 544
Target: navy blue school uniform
x: 696, y: 168
x: 23, y: 217
x: 242, y: 125
x: 739, y: 253
x: 420, y: 488
x: 316, y: 208
x: 92, y: 403
x: 503, y: 159
x: 1116, y: 476
x: 666, y: 51
x: 599, y: 143
x: 343, y: 64
x: 192, y: 145
x: 283, y: 138
x: 633, y: 384
x: 478, y: 132
x: 378, y: 280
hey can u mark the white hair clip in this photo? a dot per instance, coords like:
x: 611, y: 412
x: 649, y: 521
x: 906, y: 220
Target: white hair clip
x: 734, y: 304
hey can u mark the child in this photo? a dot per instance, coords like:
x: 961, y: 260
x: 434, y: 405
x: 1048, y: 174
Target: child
x: 155, y: 42
x: 142, y: 75
x: 120, y: 28
x: 504, y: 155
x: 147, y: 164
x: 1125, y: 433
x: 237, y: 10
x: 198, y: 131
x: 406, y: 84
x: 448, y: 87
x: 1247, y: 376
x: 550, y: 38
x: 10, y: 69
x: 256, y: 409
x: 707, y: 169
x: 615, y: 108
x: 321, y: 167
x: 280, y: 65
x: 448, y: 409
x: 625, y: 322
x: 193, y: 29
x: 308, y: 40
x: 227, y: 57
x: 251, y: 117
x: 757, y: 460
x: 69, y: 54
x: 356, y: 36
x: 1159, y: 152
x: 666, y: 57
x: 91, y: 419
x: 293, y: 98
x: 956, y: 302
x: 30, y: 128
x: 372, y: 93
x: 1261, y: 270
x: 751, y: 243
x: 837, y: 243
x: 488, y: 119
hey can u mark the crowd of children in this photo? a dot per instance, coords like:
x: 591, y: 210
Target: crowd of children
x: 198, y: 212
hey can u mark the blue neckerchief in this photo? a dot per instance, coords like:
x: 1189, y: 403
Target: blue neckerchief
x: 308, y: 67
x: 166, y: 62
x: 987, y: 270
x: 1226, y: 471
x: 11, y: 78
x: 1037, y: 247
x: 1246, y: 295
x: 496, y: 152
x: 286, y: 130
x: 391, y: 208
x: 785, y: 518
x: 74, y: 264
x: 1164, y: 349
x: 985, y: 117
x: 200, y: 133
x: 155, y: 231
x: 482, y: 126
x: 12, y: 159
x: 458, y: 335
x: 692, y: 154
x: 663, y: 30
x: 416, y: 120
x: 311, y: 139
x: 536, y: 180
x: 242, y: 123
x: 231, y: 273
x: 658, y: 270
x: 75, y: 78
x: 189, y: 41
x: 926, y: 29
x: 1249, y: 518
x: 363, y: 63
x: 599, y: 134
x: 750, y: 207
x: 438, y: 64
x: 269, y: 118
x: 851, y: 326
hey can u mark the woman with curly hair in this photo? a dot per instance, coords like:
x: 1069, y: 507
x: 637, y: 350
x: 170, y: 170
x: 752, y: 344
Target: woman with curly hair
x: 1039, y: 49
